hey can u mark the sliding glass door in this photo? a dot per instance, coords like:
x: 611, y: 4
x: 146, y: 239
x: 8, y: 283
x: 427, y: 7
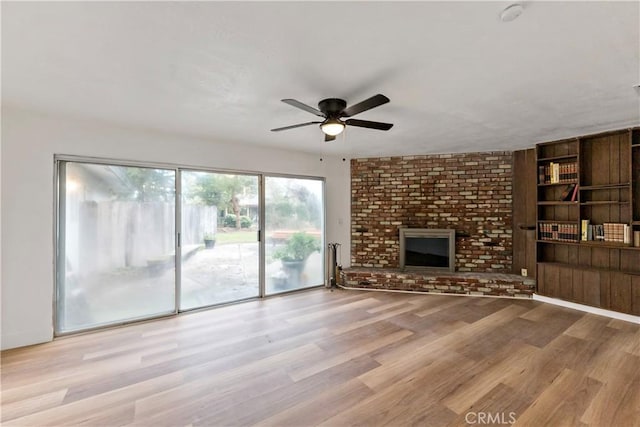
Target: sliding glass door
x: 294, y: 230
x: 116, y: 244
x: 220, y: 251
x: 117, y: 240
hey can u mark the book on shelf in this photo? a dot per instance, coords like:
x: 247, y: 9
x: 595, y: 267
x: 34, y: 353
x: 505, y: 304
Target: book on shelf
x: 574, y: 196
x: 567, y: 193
x: 584, y: 230
x: 616, y: 232
x: 559, y: 232
x: 557, y: 173
x: 598, y: 232
x: 627, y: 234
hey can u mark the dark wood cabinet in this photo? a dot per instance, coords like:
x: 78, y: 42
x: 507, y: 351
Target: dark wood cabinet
x: 586, y: 186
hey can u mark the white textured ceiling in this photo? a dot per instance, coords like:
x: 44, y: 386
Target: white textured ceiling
x: 458, y: 78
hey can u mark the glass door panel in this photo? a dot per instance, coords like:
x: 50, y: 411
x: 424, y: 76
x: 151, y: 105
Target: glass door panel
x: 294, y: 230
x: 116, y: 259
x: 220, y: 250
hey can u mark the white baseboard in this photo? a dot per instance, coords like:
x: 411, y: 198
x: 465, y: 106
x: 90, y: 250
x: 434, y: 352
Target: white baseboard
x: 593, y: 310
x: 25, y: 338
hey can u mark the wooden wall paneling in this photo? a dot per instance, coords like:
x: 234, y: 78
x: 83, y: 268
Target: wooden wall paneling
x: 600, y: 257
x: 591, y: 288
x: 614, y: 159
x: 629, y: 260
x: 566, y: 283
x: 530, y: 213
x: 562, y: 212
x: 624, y: 155
x: 524, y: 211
x: 630, y: 168
x: 620, y: 286
x: 635, y: 295
x: 584, y: 255
x: 519, y: 211
x: 614, y: 259
x: 574, y: 255
x: 636, y: 182
x: 552, y: 280
x: 599, y: 214
x: 605, y: 289
x: 599, y: 153
x: 585, y: 163
x: 562, y: 253
x: 540, y: 282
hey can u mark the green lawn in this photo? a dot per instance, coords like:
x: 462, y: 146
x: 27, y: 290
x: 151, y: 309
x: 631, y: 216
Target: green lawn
x: 242, y: 236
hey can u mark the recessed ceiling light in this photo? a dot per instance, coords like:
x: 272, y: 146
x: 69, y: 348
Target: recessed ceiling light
x: 511, y: 12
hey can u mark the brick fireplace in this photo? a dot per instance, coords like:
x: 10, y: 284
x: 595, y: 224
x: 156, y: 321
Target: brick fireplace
x: 469, y: 193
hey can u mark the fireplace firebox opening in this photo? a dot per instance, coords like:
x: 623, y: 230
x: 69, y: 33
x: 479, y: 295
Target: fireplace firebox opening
x: 427, y: 249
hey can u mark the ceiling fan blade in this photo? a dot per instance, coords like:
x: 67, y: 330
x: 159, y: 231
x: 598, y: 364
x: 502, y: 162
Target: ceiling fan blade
x: 329, y: 138
x: 302, y: 106
x: 367, y: 104
x: 294, y: 126
x: 369, y: 124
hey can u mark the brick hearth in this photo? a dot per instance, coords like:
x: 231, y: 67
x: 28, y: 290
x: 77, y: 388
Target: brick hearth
x: 463, y: 283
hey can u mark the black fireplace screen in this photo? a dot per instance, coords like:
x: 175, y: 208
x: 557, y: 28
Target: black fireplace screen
x: 424, y: 248
x: 427, y: 252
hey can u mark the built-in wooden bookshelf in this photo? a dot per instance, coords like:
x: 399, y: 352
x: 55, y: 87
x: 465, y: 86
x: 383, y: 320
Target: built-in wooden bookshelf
x: 605, y: 168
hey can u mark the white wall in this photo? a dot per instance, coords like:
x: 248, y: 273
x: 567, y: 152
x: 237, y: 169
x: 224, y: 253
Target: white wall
x: 29, y: 142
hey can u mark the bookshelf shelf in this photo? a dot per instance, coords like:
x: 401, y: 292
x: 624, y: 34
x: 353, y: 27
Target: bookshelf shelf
x: 557, y: 183
x: 596, y: 243
x: 605, y: 202
x: 558, y: 242
x: 551, y: 159
x: 605, y: 186
x: 558, y: 203
x: 588, y: 268
x: 593, y: 243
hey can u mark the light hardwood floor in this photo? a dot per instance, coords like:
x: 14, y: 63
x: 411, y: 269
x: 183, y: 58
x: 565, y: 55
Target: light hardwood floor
x: 337, y: 358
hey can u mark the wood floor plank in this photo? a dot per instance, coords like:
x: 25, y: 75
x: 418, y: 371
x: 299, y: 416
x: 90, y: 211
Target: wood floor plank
x: 326, y: 363
x: 562, y: 403
x: 80, y: 410
x: 502, y: 403
x: 31, y: 405
x: 507, y: 361
x: 619, y: 398
x: 322, y: 406
x: 377, y: 318
x: 335, y: 358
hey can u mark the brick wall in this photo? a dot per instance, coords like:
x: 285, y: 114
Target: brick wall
x: 469, y: 192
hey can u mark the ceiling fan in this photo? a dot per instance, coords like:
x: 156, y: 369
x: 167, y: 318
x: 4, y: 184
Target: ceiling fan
x: 333, y: 110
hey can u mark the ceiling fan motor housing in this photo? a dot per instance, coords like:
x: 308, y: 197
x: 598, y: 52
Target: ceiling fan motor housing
x: 332, y: 107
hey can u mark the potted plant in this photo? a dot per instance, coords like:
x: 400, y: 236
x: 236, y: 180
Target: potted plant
x: 209, y: 240
x: 294, y: 254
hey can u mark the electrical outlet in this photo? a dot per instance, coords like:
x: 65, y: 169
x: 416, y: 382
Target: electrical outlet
x: 523, y: 271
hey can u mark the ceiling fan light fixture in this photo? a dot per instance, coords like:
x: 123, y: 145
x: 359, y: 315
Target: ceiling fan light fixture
x: 332, y: 127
